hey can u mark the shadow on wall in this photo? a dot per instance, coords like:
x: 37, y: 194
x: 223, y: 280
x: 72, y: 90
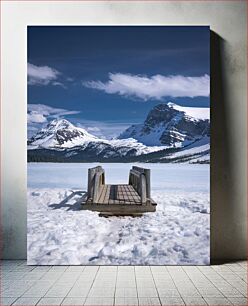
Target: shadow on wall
x: 224, y: 225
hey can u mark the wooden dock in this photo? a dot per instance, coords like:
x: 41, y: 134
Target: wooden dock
x: 125, y: 199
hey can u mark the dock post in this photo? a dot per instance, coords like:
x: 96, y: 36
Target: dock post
x: 143, y: 191
x: 148, y: 182
x: 90, y: 182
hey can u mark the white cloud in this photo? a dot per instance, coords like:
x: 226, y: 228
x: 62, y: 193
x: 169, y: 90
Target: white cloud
x: 155, y: 87
x: 46, y: 110
x: 93, y: 129
x: 41, y: 75
x: 35, y: 117
x: 59, y: 84
x: 104, y: 129
x: 39, y: 114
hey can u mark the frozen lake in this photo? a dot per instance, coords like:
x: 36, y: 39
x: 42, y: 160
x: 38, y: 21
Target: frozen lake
x: 60, y: 233
x: 171, y: 177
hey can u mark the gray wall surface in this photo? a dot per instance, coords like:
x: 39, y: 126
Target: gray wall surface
x: 227, y: 20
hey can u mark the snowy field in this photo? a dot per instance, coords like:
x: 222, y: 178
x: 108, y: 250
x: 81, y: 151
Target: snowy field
x: 60, y: 233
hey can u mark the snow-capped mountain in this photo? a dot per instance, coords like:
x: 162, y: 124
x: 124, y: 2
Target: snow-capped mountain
x: 60, y: 133
x: 169, y: 124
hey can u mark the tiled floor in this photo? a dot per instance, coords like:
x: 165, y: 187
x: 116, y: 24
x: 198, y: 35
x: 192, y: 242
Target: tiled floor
x: 123, y: 285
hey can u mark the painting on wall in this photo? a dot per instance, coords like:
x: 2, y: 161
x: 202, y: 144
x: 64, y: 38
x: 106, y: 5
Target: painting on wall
x: 118, y: 128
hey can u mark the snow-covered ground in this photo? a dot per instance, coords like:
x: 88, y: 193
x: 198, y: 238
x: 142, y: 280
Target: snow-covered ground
x: 60, y: 233
x: 198, y: 153
x: 195, y: 112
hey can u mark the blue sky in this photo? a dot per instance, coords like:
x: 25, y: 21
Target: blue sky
x: 106, y: 78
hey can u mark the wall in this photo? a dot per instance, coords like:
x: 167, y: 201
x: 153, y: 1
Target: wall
x: 227, y: 20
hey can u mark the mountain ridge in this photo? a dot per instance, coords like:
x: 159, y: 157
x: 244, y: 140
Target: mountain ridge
x: 169, y: 125
x: 167, y: 129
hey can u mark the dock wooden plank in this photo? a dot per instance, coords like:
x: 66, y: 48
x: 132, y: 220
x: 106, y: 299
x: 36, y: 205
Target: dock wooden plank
x: 126, y: 194
x: 120, y: 209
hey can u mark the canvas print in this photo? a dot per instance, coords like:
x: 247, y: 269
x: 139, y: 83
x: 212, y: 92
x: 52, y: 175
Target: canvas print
x: 118, y: 149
